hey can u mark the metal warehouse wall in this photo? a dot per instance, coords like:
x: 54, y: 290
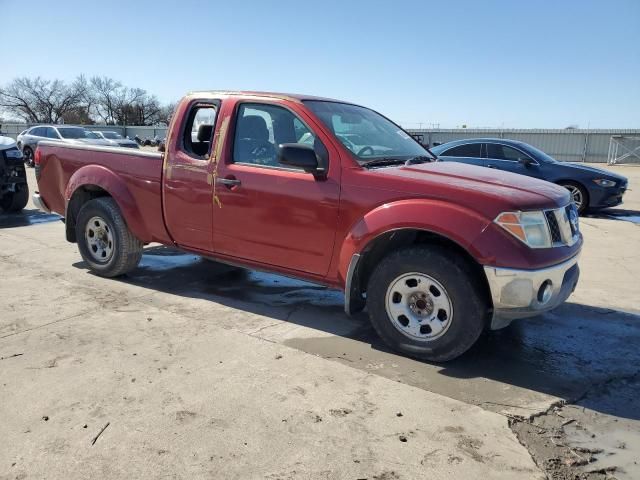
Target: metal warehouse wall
x: 565, y: 145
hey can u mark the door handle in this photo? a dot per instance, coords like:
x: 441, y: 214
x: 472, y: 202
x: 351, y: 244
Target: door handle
x: 229, y: 182
x: 491, y: 166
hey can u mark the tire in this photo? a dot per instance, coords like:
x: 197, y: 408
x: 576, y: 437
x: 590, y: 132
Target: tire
x: 577, y: 191
x: 446, y: 283
x: 104, y: 240
x: 15, y: 201
x: 28, y: 156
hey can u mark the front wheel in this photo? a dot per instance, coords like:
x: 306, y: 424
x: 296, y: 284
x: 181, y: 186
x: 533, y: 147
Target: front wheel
x: 579, y: 195
x: 427, y: 302
x: 104, y: 240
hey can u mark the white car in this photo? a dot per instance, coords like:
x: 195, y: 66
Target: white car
x: 29, y: 139
x: 116, y: 137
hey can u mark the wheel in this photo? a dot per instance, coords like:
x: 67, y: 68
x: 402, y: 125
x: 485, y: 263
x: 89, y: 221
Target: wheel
x: 427, y: 302
x: 579, y: 195
x: 104, y: 240
x: 15, y: 201
x: 28, y: 156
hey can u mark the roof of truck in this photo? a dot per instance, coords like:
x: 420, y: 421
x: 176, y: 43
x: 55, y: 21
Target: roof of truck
x: 283, y: 96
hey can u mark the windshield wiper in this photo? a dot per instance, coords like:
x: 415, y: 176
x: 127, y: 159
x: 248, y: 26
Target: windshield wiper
x: 419, y: 159
x: 383, y: 162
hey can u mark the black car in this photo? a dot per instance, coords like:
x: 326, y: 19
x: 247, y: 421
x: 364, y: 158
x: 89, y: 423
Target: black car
x: 591, y: 188
x: 14, y: 191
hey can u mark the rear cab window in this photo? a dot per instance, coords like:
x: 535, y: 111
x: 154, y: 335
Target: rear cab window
x: 197, y: 135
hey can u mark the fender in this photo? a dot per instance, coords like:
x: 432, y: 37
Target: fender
x: 116, y: 187
x: 455, y: 222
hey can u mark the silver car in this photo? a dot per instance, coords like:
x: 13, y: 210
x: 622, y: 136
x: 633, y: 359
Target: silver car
x: 28, y: 140
x: 116, y: 137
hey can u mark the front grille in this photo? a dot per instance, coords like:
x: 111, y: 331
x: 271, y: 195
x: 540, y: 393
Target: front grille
x: 572, y: 212
x: 563, y: 225
x: 554, y: 228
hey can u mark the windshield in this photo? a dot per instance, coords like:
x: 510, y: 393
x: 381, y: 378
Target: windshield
x: 367, y: 134
x: 112, y: 135
x: 76, y: 133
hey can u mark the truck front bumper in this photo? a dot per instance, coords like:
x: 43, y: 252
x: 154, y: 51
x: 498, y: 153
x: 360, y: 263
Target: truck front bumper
x: 527, y: 293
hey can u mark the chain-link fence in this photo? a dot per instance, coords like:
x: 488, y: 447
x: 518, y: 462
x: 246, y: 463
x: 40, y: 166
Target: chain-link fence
x: 624, y: 149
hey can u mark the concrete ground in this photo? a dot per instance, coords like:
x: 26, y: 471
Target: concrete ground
x: 188, y: 369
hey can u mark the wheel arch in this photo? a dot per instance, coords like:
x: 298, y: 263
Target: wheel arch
x: 450, y: 226
x: 579, y: 183
x: 94, y: 181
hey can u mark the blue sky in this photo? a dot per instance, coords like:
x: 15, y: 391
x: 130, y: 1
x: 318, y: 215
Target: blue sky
x: 544, y: 64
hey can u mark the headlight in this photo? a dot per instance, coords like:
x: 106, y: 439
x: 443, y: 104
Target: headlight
x: 13, y: 153
x: 528, y: 227
x: 604, y: 182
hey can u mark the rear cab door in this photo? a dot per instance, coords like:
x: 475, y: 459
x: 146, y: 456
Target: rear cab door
x: 271, y: 214
x: 188, y: 172
x: 470, y: 153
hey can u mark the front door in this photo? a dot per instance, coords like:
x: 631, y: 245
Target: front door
x: 269, y: 214
x: 187, y: 185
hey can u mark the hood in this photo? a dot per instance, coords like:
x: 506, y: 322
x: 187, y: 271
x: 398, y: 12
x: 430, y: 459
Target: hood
x: 6, y: 143
x: 597, y: 172
x: 478, y: 188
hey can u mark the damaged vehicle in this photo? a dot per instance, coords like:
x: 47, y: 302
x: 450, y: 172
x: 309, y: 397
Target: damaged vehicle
x: 332, y: 193
x: 14, y: 191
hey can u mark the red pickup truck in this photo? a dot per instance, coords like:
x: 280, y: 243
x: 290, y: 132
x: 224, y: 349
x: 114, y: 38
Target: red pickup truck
x: 333, y: 193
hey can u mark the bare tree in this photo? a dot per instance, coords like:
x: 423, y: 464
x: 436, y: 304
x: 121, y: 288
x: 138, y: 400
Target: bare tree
x: 103, y: 93
x: 41, y: 101
x: 166, y: 113
x: 83, y: 101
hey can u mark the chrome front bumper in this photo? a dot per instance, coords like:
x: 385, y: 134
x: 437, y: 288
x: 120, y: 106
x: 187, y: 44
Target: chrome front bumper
x: 517, y: 293
x: 39, y: 203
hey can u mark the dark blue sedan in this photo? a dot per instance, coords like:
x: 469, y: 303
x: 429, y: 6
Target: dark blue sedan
x: 591, y: 188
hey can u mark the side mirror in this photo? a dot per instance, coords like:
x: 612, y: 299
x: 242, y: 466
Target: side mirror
x: 526, y: 161
x: 300, y: 156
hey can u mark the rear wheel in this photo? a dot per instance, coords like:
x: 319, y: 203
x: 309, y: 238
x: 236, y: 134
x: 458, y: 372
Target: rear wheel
x: 15, y: 201
x: 104, y: 240
x: 28, y: 156
x: 427, y: 302
x: 579, y: 195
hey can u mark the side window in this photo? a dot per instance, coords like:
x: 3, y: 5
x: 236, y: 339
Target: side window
x: 51, y: 133
x: 261, y: 128
x: 468, y: 150
x: 38, y: 132
x: 198, y: 132
x: 502, y: 152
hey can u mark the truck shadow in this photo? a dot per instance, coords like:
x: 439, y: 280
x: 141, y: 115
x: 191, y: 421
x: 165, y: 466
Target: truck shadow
x: 617, y: 214
x: 26, y: 217
x: 572, y: 353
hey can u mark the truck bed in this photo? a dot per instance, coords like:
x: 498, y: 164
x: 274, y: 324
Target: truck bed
x: 135, y: 175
